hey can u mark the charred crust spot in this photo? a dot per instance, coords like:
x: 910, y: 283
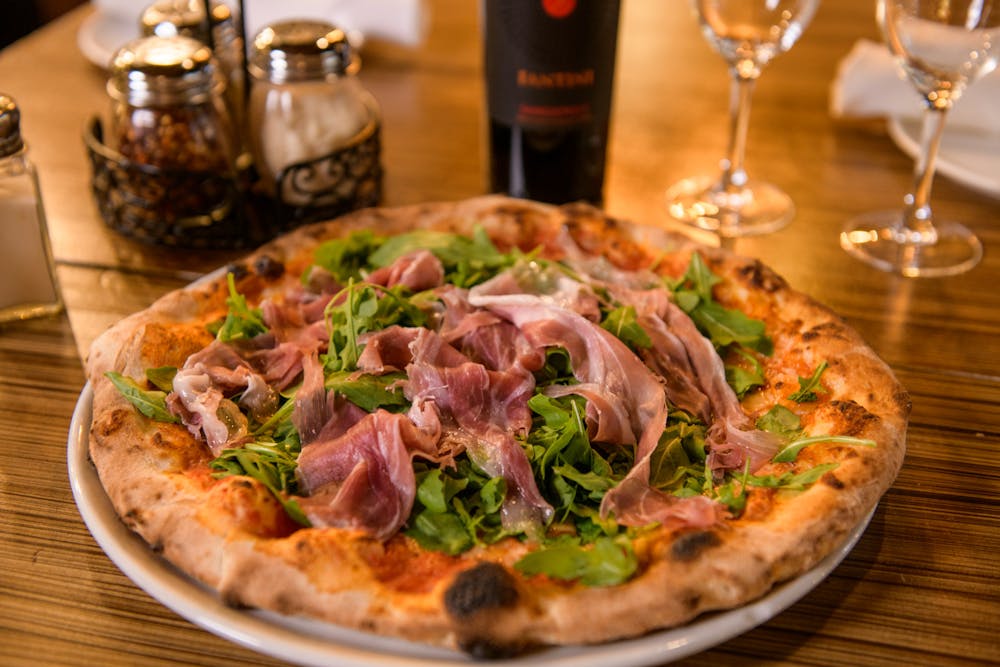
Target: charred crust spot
x: 485, y: 586
x: 243, y: 484
x: 266, y: 266
x: 856, y: 418
x: 829, y: 329
x: 487, y: 649
x: 689, y: 546
x: 832, y: 481
x: 759, y: 276
x: 238, y: 269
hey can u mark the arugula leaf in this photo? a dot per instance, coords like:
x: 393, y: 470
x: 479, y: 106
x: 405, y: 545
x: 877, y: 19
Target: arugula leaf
x: 360, y: 308
x: 270, y: 462
x: 456, y: 508
x: 623, y: 324
x: 692, y: 292
x: 467, y: 261
x: 162, y: 378
x: 151, y: 403
x: 781, y: 421
x: 725, y: 326
x: 369, y: 392
x: 792, y: 481
x: 810, y: 386
x: 346, y: 257
x: 347, y: 319
x: 698, y: 279
x: 607, y: 562
x: 440, y: 532
x: 241, y: 321
x: 558, y: 368
x: 743, y: 379
x: 791, y: 451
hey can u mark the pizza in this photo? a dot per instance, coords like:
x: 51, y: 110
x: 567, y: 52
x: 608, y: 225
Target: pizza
x: 493, y: 425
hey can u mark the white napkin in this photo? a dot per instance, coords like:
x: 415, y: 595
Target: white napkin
x: 401, y: 21
x: 869, y: 83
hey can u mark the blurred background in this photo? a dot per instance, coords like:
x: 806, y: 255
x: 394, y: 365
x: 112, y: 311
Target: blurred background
x: 23, y: 16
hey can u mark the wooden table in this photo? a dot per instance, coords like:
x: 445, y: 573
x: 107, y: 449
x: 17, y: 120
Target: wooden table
x: 921, y: 586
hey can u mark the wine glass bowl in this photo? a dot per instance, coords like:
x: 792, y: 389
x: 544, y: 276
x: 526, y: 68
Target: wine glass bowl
x: 942, y: 46
x: 748, y: 35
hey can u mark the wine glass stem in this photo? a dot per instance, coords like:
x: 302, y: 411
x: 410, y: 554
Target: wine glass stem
x: 918, y: 222
x: 733, y: 175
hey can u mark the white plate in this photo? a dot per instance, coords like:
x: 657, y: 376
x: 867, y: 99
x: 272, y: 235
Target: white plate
x: 315, y: 643
x: 966, y: 156
x: 102, y: 34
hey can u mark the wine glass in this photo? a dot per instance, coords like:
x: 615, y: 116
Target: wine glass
x: 943, y: 46
x: 748, y: 34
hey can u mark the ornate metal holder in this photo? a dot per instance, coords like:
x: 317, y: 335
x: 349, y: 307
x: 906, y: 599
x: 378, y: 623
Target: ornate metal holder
x: 212, y: 210
x: 345, y: 180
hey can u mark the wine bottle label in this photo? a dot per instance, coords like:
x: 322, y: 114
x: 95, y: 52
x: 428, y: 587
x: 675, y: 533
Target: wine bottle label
x: 550, y: 63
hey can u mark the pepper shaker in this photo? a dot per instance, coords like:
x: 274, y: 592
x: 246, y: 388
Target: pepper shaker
x: 28, y: 287
x: 305, y: 103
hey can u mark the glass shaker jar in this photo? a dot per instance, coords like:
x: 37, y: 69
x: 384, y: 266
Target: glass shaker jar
x: 173, y: 179
x: 167, y: 18
x: 29, y: 287
x: 168, y: 109
x: 306, y: 104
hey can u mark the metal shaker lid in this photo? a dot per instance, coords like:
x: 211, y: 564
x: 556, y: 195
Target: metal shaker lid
x: 299, y: 50
x: 152, y: 71
x: 166, y: 18
x: 10, y: 126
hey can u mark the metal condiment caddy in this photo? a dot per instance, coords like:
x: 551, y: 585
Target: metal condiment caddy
x: 183, y: 163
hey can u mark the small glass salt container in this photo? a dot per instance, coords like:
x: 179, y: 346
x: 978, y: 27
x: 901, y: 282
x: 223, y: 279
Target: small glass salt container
x: 28, y: 285
x: 305, y: 103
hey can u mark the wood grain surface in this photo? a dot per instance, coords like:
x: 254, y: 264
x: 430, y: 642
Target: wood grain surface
x: 921, y: 586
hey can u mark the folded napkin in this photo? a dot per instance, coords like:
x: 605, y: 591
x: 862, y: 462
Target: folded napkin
x: 869, y: 83
x: 401, y: 21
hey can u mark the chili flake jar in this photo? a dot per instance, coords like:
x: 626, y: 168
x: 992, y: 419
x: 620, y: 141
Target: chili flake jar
x: 187, y: 18
x: 168, y: 109
x: 313, y: 127
x: 165, y: 170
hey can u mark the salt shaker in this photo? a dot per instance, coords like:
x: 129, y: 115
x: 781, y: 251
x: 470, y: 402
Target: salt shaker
x: 305, y: 102
x: 28, y: 287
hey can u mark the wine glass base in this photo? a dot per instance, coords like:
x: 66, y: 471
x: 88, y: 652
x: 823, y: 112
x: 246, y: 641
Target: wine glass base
x: 875, y: 239
x: 756, y: 208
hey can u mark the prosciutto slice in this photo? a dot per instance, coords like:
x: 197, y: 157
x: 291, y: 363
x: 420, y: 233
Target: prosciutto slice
x: 732, y: 438
x: 602, y: 361
x: 418, y: 270
x: 363, y: 478
x: 483, y: 409
x: 202, y: 392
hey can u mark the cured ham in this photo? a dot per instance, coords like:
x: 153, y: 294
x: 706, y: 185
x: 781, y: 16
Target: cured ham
x: 469, y: 376
x: 487, y: 408
x: 418, y: 270
x: 202, y: 390
x: 363, y: 479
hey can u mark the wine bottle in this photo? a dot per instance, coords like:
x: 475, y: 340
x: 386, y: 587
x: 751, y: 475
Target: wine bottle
x: 549, y: 70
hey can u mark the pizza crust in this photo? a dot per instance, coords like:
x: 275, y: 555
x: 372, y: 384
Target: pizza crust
x: 234, y: 537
